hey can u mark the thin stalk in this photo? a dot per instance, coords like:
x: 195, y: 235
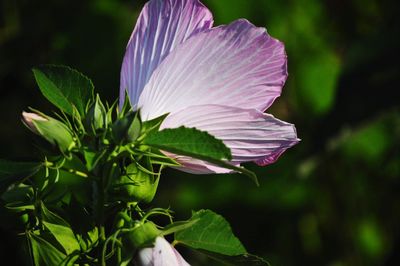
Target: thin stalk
x: 100, y: 219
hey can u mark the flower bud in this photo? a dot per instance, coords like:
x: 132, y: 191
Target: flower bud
x: 135, y: 186
x: 28, y: 119
x: 126, y: 128
x: 161, y: 254
x: 142, y: 235
x: 54, y: 131
x: 97, y: 115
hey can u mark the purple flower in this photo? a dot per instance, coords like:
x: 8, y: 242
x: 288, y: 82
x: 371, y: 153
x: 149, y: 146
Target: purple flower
x: 162, y: 254
x: 217, y: 79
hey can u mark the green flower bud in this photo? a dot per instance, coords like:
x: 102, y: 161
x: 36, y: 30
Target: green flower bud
x: 28, y: 119
x: 54, y: 131
x: 135, y: 129
x: 135, y: 186
x: 142, y: 235
x: 96, y: 117
x: 127, y: 128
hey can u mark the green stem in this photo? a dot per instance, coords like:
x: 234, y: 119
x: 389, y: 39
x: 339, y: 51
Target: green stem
x: 102, y: 233
x: 100, y: 217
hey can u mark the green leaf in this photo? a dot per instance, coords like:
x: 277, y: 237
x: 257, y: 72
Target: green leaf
x: 64, y: 87
x: 19, y: 206
x: 188, y: 141
x: 79, y: 186
x: 20, y: 192
x: 196, y: 144
x: 43, y: 252
x: 212, y: 233
x: 240, y: 260
x: 88, y: 239
x: 60, y: 229
x: 177, y: 226
x: 83, y: 225
x: 153, y: 124
x: 10, y: 168
x: 71, y: 259
x: 13, y: 172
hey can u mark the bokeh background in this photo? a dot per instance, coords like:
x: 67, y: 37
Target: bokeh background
x: 334, y: 199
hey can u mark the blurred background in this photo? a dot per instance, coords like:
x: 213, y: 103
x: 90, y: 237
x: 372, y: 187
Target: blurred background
x: 334, y: 199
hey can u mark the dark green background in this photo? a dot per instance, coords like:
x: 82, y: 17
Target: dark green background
x: 331, y: 200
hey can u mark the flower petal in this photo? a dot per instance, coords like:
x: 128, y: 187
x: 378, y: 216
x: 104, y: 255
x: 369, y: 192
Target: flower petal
x: 250, y: 134
x: 236, y: 65
x: 197, y: 166
x: 161, y: 26
x: 162, y: 254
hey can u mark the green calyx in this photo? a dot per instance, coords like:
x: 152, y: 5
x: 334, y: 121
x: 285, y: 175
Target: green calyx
x: 96, y: 117
x: 142, y: 235
x: 136, y: 184
x: 55, y: 132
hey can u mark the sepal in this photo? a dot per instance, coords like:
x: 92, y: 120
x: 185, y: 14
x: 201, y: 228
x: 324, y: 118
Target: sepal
x: 142, y: 235
x: 53, y: 130
x: 96, y: 117
x: 137, y: 184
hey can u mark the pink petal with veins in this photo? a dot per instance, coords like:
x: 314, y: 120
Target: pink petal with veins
x: 235, y: 65
x: 161, y: 27
x: 250, y: 134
